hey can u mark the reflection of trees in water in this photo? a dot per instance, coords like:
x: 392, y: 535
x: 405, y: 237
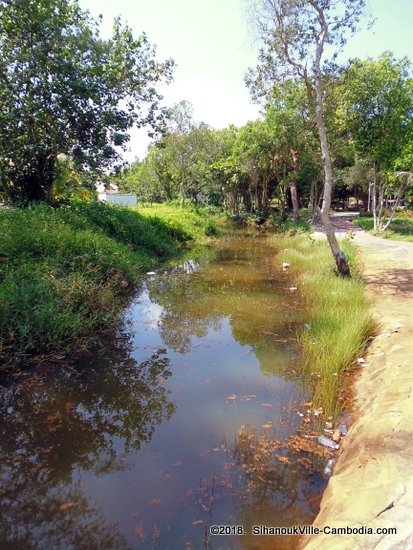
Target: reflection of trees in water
x: 278, y: 476
x: 180, y: 293
x: 259, y: 315
x: 37, y: 514
x: 52, y: 422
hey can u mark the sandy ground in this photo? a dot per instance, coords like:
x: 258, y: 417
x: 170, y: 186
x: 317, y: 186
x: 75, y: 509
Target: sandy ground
x: 372, y: 482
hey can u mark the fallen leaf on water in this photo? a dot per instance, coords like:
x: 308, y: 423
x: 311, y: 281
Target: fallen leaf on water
x: 225, y: 483
x: 66, y: 505
x: 154, y: 502
x: 139, y: 531
x: 216, y: 449
x: 231, y: 397
x: 177, y: 463
x: 266, y: 405
x: 156, y: 533
x: 198, y: 522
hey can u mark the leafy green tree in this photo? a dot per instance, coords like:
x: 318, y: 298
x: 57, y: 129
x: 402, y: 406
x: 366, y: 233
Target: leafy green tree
x: 295, y: 34
x: 178, y: 165
x: 292, y: 128
x: 65, y: 90
x: 378, y: 110
x: 180, y: 118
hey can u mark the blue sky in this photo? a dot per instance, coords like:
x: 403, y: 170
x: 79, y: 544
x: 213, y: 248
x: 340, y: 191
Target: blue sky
x: 213, y: 45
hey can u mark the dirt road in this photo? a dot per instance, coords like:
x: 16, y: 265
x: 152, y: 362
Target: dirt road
x: 372, y: 483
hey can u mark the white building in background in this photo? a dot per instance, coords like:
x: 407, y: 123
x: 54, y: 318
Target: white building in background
x: 111, y: 195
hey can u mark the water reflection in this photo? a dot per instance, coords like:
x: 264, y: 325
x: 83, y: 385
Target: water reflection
x: 55, y: 422
x: 141, y: 445
x: 232, y: 287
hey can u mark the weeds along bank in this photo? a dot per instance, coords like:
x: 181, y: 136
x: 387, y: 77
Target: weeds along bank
x: 65, y: 272
x: 401, y: 228
x: 337, y: 321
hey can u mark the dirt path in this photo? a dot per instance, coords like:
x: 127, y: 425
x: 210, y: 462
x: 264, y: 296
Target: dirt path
x: 372, y: 484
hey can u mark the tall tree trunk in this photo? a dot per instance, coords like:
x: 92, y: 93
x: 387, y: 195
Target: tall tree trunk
x: 293, y: 184
x: 374, y: 196
x: 265, y: 199
x: 339, y: 256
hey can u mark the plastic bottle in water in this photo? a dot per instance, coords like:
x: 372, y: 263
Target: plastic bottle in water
x: 328, y: 470
x: 328, y: 442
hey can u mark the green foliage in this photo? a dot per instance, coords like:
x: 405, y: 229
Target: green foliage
x: 378, y: 105
x: 63, y: 89
x: 65, y: 272
x: 337, y: 320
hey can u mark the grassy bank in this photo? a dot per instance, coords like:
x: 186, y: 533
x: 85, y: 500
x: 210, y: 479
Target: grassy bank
x: 193, y: 224
x: 66, y: 272
x: 336, y: 316
x: 401, y: 228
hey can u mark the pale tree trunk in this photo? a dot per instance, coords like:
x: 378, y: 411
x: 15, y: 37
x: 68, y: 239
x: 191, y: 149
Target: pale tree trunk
x: 293, y: 185
x: 400, y: 192
x: 339, y: 256
x: 374, y: 197
x: 381, y: 206
x: 265, y: 192
x: 313, y: 209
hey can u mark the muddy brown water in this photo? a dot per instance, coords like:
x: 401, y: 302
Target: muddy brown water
x: 150, y: 442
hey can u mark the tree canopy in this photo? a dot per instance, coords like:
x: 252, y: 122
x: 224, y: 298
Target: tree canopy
x: 65, y: 90
x: 294, y: 35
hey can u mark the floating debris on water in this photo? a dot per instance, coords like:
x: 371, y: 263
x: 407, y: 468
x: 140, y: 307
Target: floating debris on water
x: 336, y: 435
x: 327, y: 442
x: 343, y: 429
x: 328, y: 470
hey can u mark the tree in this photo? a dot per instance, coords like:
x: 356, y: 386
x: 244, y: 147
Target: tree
x: 378, y: 109
x: 294, y: 34
x: 180, y: 118
x: 64, y: 90
x: 290, y: 124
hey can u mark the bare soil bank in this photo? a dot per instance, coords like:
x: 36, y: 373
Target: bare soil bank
x: 372, y: 484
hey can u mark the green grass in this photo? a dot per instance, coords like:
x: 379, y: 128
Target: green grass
x: 336, y: 317
x: 400, y: 229
x: 65, y: 273
x: 191, y: 223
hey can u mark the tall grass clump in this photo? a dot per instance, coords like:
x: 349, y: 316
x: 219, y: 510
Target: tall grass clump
x: 66, y: 272
x: 336, y: 317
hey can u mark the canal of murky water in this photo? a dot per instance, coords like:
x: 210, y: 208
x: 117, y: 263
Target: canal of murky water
x: 179, y: 425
